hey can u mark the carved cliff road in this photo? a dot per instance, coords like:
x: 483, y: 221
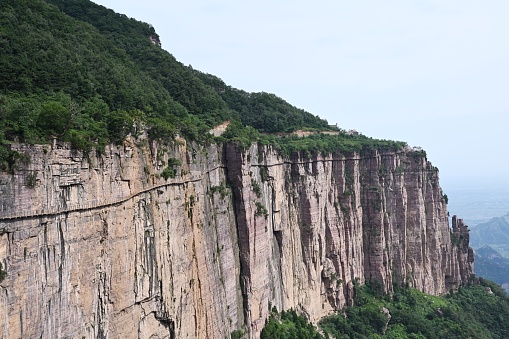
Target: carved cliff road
x: 5, y: 215
x: 96, y: 204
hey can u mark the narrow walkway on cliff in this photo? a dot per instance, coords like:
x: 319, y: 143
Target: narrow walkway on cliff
x: 7, y: 215
x: 96, y: 204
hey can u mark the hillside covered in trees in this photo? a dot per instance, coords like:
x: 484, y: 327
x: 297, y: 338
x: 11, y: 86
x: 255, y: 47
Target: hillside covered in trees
x: 476, y: 311
x: 82, y: 73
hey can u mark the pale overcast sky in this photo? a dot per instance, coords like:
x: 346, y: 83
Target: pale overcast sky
x: 432, y: 73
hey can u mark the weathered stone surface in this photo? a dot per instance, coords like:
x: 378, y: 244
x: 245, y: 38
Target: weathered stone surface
x: 335, y: 219
x: 106, y: 247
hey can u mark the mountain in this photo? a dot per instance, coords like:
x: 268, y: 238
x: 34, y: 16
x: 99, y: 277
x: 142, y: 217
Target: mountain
x: 494, y: 233
x: 491, y: 265
x: 108, y: 245
x: 98, y: 72
x: 142, y: 198
x: 491, y: 242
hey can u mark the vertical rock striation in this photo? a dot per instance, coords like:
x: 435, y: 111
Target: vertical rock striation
x: 105, y: 247
x: 334, y: 219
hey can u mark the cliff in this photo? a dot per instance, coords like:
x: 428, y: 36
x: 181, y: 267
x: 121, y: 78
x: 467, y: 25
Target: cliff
x: 105, y: 247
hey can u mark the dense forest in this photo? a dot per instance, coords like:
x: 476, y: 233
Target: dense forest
x: 79, y: 72
x: 480, y: 310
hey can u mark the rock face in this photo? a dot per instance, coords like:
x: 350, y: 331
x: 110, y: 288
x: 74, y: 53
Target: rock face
x: 105, y: 247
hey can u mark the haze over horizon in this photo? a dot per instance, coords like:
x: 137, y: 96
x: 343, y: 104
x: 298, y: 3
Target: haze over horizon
x: 433, y: 73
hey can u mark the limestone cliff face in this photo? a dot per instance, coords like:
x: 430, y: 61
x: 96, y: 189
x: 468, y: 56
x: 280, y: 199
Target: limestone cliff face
x: 105, y: 247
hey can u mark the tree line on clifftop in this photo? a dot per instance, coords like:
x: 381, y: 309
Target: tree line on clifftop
x: 81, y: 73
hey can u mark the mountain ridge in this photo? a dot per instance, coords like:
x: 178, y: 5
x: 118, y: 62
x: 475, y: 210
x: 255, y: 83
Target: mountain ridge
x: 160, y: 229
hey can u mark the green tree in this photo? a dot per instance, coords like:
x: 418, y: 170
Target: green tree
x: 54, y: 119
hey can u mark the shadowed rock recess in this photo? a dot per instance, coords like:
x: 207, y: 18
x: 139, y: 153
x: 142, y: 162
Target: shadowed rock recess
x: 105, y: 247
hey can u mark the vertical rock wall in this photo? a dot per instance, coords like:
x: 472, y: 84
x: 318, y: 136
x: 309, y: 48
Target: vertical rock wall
x: 119, y: 252
x: 310, y: 226
x: 105, y: 247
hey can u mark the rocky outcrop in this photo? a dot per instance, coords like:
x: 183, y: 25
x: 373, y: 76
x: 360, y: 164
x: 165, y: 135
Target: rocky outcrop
x: 465, y: 255
x: 106, y: 247
x: 309, y: 227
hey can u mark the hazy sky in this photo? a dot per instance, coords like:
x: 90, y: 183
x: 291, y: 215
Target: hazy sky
x: 432, y: 73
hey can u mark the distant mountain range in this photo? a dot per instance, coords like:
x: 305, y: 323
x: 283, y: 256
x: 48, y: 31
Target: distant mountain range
x: 490, y: 241
x: 490, y: 265
x: 494, y: 233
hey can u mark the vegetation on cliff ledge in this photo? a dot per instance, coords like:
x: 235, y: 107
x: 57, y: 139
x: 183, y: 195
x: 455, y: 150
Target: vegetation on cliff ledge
x: 475, y: 311
x: 79, y: 72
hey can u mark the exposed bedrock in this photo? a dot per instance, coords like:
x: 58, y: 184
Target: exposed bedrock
x: 106, y: 247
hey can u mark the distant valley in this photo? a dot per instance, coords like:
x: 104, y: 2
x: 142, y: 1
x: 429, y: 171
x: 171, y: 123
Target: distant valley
x: 491, y: 265
x: 478, y: 205
x: 485, y: 211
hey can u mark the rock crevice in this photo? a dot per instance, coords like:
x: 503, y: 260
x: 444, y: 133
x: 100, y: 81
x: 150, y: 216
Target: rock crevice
x: 106, y: 247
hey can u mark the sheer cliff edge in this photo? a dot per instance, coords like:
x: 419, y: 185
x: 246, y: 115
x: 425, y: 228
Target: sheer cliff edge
x: 186, y: 241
